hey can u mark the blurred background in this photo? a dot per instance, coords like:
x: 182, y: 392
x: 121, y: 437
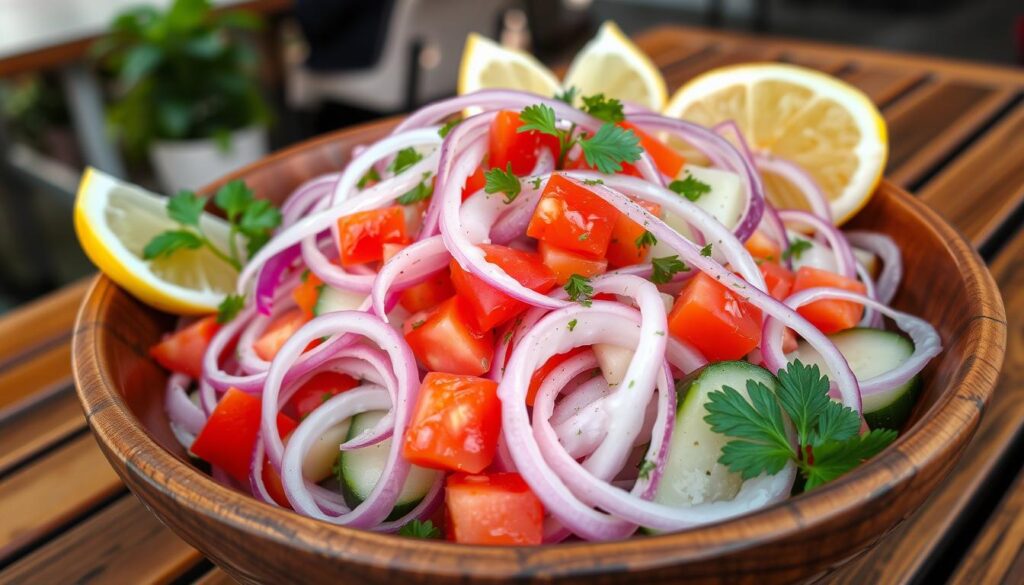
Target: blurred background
x: 173, y: 94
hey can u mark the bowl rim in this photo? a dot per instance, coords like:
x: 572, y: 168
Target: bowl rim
x: 939, y: 434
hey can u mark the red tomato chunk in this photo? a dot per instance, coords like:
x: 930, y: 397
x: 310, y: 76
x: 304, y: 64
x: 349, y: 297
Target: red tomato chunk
x: 571, y: 217
x: 493, y: 509
x: 445, y: 339
x: 622, y: 249
x: 666, y: 158
x: 491, y: 307
x: 278, y: 332
x: 229, y: 437
x: 829, y: 315
x: 715, y: 320
x: 455, y: 424
x: 361, y: 236
x: 521, y: 149
x: 564, y: 263
x: 182, y: 351
x: 319, y: 389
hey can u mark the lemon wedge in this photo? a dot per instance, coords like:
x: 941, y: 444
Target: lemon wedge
x: 611, y: 64
x: 488, y: 65
x: 828, y: 127
x: 114, y: 221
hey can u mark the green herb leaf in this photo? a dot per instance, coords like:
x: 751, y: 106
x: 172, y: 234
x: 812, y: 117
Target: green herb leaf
x: 338, y: 470
x: 186, y: 208
x: 404, y: 159
x: 833, y: 459
x: 568, y: 96
x: 645, y: 468
x: 228, y: 309
x: 690, y: 187
x: 666, y: 267
x: 592, y: 182
x: 572, y: 324
x: 370, y: 176
x: 538, y: 117
x: 796, y: 249
x: 418, y: 529
x: 421, y: 192
x: 803, y: 394
x: 233, y: 197
x: 610, y: 147
x: 602, y: 108
x: 646, y: 240
x: 535, y: 182
x: 444, y: 130
x: 761, y: 443
x: 167, y: 243
x: 706, y: 251
x: 503, y: 181
x: 579, y: 290
x: 257, y: 224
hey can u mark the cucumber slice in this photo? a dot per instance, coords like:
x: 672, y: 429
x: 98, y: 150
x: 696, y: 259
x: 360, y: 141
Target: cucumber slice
x: 331, y: 299
x: 692, y: 473
x: 361, y: 468
x: 725, y: 202
x: 871, y: 352
x: 323, y: 453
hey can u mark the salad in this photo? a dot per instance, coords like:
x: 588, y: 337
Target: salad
x: 556, y: 318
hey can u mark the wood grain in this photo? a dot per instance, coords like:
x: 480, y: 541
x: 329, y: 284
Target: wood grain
x: 123, y: 543
x: 902, y: 554
x: 34, y: 379
x: 981, y: 189
x: 926, y: 126
x: 37, y: 428
x: 253, y: 542
x: 216, y: 577
x: 997, y: 555
x: 883, y: 84
x: 43, y: 322
x: 52, y: 491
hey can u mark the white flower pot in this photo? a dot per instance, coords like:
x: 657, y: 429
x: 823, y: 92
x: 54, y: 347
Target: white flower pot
x: 190, y: 164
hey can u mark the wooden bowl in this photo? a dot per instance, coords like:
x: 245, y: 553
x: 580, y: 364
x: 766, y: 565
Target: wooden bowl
x: 803, y: 538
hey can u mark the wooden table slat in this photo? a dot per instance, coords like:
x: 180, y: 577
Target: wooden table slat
x: 997, y: 555
x: 123, y: 543
x: 43, y: 321
x: 882, y: 84
x: 52, y: 491
x: 32, y: 379
x: 981, y: 189
x: 42, y: 425
x: 216, y: 577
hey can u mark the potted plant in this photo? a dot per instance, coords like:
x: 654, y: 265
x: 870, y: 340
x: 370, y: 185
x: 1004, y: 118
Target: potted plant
x: 186, y: 91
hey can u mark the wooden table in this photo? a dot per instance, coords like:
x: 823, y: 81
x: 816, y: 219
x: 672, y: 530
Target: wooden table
x: 957, y: 132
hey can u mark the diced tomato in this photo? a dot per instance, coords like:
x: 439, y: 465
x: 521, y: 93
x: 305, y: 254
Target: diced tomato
x: 778, y: 278
x: 492, y: 509
x: 622, y: 249
x: 319, y: 389
x: 715, y: 320
x: 455, y: 424
x: 571, y: 217
x: 278, y: 332
x: 444, y: 339
x: 182, y: 351
x: 475, y: 182
x: 667, y: 159
x: 275, y: 488
x: 789, y: 343
x: 548, y: 367
x: 429, y: 293
x: 490, y: 306
x: 829, y: 315
x: 507, y: 145
x: 307, y: 293
x: 229, y: 436
x: 762, y: 247
x: 361, y: 236
x: 564, y: 263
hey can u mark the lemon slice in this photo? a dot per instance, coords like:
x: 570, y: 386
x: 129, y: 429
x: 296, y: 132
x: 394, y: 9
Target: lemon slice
x: 115, y: 220
x: 488, y: 65
x: 611, y: 64
x: 828, y: 127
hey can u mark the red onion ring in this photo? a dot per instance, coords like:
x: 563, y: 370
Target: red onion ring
x: 800, y: 179
x: 181, y: 411
x: 845, y: 261
x: 892, y: 262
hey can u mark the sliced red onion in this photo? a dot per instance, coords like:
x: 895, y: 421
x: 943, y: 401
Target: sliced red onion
x: 776, y: 231
x: 722, y: 154
x: 892, y: 261
x: 270, y: 275
x: 306, y: 197
x: 180, y: 409
x: 385, y: 147
x: 845, y: 261
x: 800, y: 179
x: 411, y: 266
x: 927, y: 343
x: 333, y: 274
x: 751, y: 290
x: 871, y: 318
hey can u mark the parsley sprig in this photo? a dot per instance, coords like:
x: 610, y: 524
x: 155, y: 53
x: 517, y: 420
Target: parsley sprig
x: 796, y: 249
x: 828, y: 440
x: 606, y: 150
x: 252, y: 219
x: 690, y: 187
x: 664, y: 268
x: 503, y: 181
x: 419, y: 529
x: 579, y: 290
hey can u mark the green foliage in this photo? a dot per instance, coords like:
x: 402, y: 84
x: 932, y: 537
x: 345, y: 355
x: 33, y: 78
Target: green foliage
x: 181, y: 74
